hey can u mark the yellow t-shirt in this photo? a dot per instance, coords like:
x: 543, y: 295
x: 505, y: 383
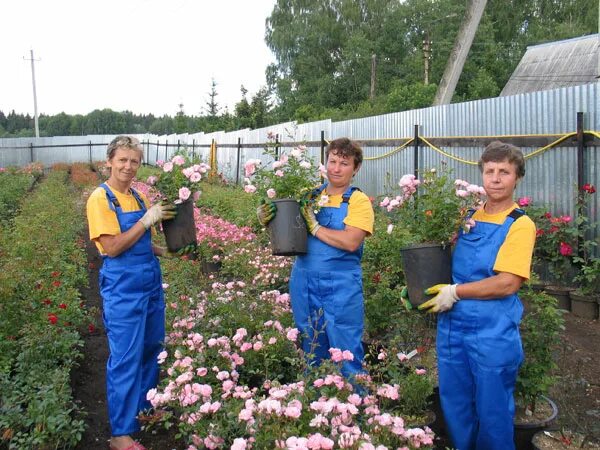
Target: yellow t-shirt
x: 102, y: 219
x: 515, y: 253
x: 360, y: 210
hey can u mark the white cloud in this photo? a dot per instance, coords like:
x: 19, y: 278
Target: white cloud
x: 145, y: 56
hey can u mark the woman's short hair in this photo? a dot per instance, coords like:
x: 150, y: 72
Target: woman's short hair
x: 346, y: 148
x: 126, y: 142
x: 498, y: 151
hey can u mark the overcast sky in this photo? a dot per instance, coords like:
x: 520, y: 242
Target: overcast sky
x: 145, y: 56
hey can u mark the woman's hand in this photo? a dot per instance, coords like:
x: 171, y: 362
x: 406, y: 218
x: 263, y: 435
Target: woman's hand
x: 157, y: 213
x: 444, y: 300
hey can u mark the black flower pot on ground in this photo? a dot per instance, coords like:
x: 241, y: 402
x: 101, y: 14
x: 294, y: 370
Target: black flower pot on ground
x: 209, y: 266
x: 181, y: 230
x: 425, y: 265
x: 561, y: 294
x: 527, y: 426
x: 584, y: 305
x: 288, y: 229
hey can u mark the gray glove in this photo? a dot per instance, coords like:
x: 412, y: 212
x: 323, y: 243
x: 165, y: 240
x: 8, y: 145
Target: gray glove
x: 157, y: 213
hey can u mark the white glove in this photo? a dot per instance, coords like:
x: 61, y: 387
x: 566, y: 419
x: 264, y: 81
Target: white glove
x: 444, y: 300
x: 157, y: 213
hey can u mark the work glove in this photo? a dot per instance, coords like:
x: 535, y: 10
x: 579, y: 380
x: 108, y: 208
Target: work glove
x: 444, y: 300
x: 157, y: 213
x: 266, y: 212
x: 309, y: 217
x: 190, y: 249
x: 404, y: 298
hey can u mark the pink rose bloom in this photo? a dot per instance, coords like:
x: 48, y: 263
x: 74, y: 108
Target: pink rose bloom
x: 239, y: 444
x: 348, y: 355
x: 271, y: 193
x: 184, y: 194
x: 151, y: 180
x: 336, y: 354
x: 168, y: 167
x: 524, y: 201
x: 566, y: 219
x: 279, y: 173
x: 178, y: 160
x: 195, y: 177
x: 257, y: 346
x: 292, y: 334
x: 420, y: 371
x: 250, y: 189
x: 188, y: 171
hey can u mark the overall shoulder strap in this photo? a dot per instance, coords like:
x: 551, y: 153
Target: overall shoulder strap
x: 113, y: 203
x: 139, y: 199
x: 516, y: 213
x: 348, y: 194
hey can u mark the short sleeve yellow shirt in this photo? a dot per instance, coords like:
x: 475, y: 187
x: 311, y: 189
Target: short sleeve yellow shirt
x: 360, y: 210
x: 516, y: 252
x: 102, y: 219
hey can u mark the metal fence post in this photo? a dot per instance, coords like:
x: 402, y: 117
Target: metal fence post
x: 416, y: 152
x: 580, y: 150
x: 277, y: 146
x: 156, y: 150
x: 90, y: 152
x: 323, y: 147
x: 237, y: 166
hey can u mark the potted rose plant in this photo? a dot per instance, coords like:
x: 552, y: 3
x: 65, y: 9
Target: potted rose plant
x: 585, y: 299
x: 541, y: 331
x: 432, y: 210
x: 284, y: 180
x: 178, y: 183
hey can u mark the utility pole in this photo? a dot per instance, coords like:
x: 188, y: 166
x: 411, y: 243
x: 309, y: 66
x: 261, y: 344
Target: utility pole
x: 35, y: 110
x: 459, y: 53
x: 373, y: 76
x: 426, y: 57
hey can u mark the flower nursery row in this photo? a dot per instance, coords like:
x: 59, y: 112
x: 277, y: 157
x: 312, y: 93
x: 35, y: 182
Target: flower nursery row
x: 42, y: 268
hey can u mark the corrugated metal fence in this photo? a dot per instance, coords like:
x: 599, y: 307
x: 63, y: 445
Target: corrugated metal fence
x: 551, y: 176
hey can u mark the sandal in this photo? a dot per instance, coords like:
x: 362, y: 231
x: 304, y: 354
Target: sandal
x: 135, y: 446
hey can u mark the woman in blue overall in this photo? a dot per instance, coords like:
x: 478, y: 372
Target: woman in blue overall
x: 131, y: 288
x: 326, y: 282
x: 478, y: 342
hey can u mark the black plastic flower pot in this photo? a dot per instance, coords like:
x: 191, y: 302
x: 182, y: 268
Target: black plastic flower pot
x: 181, y: 230
x: 524, y: 431
x: 288, y: 229
x: 425, y: 265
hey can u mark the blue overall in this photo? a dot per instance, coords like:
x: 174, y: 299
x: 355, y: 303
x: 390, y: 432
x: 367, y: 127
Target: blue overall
x: 327, y: 295
x: 134, y: 318
x: 479, y: 348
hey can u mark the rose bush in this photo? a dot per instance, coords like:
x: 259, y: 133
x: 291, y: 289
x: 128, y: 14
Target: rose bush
x: 288, y: 175
x: 179, y: 178
x: 432, y: 209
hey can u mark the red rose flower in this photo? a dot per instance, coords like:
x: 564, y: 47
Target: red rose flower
x: 566, y: 249
x: 539, y: 232
x: 55, y: 274
x: 52, y: 318
x: 62, y: 306
x: 47, y: 301
x: 91, y: 328
x: 56, y: 283
x: 589, y: 188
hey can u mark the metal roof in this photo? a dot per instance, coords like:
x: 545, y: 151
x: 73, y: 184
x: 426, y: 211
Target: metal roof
x: 566, y: 63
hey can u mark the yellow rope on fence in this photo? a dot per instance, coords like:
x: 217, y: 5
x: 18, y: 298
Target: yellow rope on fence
x: 466, y: 161
x: 385, y: 155
x: 439, y: 150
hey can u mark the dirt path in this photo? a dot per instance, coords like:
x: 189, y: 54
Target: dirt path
x: 577, y: 391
